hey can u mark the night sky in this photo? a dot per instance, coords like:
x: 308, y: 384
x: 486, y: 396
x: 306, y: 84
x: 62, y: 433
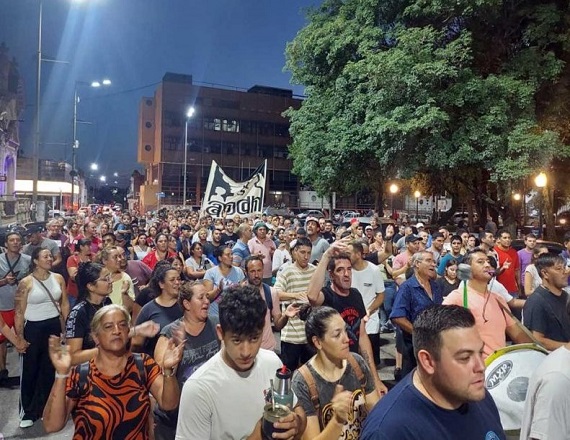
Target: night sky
x: 134, y: 42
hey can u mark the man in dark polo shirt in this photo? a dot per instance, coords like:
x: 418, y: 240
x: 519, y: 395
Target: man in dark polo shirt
x: 545, y: 312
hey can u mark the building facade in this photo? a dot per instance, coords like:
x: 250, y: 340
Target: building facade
x: 11, y: 107
x: 236, y: 128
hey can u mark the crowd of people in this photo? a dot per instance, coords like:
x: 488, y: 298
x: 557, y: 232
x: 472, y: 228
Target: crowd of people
x: 164, y: 327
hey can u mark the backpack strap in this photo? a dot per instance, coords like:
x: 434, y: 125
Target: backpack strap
x: 310, y: 380
x: 359, y: 373
x: 268, y: 298
x: 83, y: 373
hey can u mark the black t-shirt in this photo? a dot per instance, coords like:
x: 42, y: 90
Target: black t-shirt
x: 146, y: 295
x: 352, y: 310
x: 329, y: 236
x: 546, y: 313
x: 229, y: 239
x: 78, y: 323
x: 162, y: 316
x: 446, y: 287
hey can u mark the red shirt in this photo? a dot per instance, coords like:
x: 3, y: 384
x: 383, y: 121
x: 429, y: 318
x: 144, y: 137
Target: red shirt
x: 508, y: 277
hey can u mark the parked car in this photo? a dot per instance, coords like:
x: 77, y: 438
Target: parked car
x: 283, y: 212
x: 310, y: 213
x: 458, y: 216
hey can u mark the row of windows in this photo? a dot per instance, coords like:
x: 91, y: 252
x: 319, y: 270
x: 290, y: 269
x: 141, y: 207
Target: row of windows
x: 263, y: 128
x: 176, y: 143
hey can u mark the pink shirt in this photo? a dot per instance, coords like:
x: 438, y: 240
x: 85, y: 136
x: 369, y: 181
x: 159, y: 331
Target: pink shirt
x: 266, y: 249
x: 491, y: 321
x: 268, y: 338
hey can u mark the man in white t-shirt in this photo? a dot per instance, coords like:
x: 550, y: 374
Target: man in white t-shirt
x: 546, y: 408
x: 225, y: 397
x: 366, y: 277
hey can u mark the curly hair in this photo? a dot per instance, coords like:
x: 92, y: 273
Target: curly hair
x: 242, y: 311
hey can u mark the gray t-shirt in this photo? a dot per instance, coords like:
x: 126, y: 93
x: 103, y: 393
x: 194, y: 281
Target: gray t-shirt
x: 45, y: 243
x: 197, y: 350
x: 21, y: 267
x: 325, y: 390
x: 320, y: 245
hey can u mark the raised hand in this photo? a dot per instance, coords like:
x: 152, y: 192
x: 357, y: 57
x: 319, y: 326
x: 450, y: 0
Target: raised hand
x: 341, y: 404
x: 59, y: 355
x: 292, y: 310
x: 173, y: 354
x: 148, y: 329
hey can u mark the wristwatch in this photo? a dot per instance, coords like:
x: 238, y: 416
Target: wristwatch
x: 168, y: 372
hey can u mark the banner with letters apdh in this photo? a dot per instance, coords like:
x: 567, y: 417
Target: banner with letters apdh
x: 224, y: 195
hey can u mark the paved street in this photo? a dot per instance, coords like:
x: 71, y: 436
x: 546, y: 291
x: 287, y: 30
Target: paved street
x: 9, y: 419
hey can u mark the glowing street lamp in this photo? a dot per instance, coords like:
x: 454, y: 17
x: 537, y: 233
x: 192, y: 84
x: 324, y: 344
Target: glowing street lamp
x: 417, y: 195
x: 189, y: 113
x: 393, y: 190
x: 541, y: 181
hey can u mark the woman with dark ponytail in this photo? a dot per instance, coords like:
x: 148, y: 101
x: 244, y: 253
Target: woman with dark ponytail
x: 94, y: 285
x: 335, y: 387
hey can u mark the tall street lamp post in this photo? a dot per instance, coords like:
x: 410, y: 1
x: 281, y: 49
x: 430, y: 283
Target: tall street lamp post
x: 541, y: 181
x: 75, y: 146
x: 417, y: 195
x: 393, y: 190
x: 189, y: 114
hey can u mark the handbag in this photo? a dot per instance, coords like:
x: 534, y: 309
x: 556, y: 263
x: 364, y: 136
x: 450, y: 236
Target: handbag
x: 58, y: 308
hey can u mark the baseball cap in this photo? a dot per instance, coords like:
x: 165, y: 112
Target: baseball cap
x: 311, y: 219
x: 412, y: 238
x: 420, y: 225
x: 33, y: 229
x: 259, y: 224
x: 368, y: 228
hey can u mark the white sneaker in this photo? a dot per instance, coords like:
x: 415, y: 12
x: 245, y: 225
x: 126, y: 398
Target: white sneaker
x: 26, y: 423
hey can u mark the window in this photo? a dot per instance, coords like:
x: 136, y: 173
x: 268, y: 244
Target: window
x: 148, y: 124
x: 172, y: 143
x: 147, y: 147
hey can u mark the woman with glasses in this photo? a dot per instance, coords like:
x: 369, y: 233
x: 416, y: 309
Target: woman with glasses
x: 109, y: 397
x: 163, y: 309
x: 94, y: 284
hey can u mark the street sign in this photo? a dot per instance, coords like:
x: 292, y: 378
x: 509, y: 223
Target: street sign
x: 160, y: 195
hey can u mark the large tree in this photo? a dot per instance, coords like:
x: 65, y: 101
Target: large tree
x: 474, y: 89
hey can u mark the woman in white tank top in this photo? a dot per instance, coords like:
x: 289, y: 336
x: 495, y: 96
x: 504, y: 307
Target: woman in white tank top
x: 38, y: 317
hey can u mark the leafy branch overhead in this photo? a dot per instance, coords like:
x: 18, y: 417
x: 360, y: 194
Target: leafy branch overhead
x: 402, y: 87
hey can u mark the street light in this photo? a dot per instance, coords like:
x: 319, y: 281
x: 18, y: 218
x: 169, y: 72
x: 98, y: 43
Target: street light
x: 540, y: 181
x: 94, y: 167
x: 189, y: 114
x: 393, y: 190
x: 75, y: 146
x: 417, y: 195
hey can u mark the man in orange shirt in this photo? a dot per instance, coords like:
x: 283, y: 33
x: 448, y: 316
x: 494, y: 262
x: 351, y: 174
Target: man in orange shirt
x: 491, y: 320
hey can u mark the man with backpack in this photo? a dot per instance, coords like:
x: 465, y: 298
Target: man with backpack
x: 253, y: 267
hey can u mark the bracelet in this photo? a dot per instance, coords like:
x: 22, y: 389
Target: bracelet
x: 61, y: 376
x: 168, y: 372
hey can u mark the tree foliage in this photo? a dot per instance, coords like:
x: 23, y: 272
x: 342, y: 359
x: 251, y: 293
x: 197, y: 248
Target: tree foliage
x: 401, y: 87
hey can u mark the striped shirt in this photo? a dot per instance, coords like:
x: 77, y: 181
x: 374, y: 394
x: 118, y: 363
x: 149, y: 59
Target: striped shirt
x: 293, y: 279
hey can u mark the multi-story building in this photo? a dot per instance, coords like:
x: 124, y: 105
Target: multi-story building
x: 238, y: 129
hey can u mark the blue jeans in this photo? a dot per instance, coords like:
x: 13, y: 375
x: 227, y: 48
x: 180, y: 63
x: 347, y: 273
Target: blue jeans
x: 386, y: 307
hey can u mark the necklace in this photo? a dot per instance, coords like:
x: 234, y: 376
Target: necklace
x: 329, y: 378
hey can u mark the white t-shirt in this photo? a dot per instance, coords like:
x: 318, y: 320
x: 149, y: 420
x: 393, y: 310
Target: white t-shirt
x: 369, y: 283
x: 220, y: 403
x: 548, y: 399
